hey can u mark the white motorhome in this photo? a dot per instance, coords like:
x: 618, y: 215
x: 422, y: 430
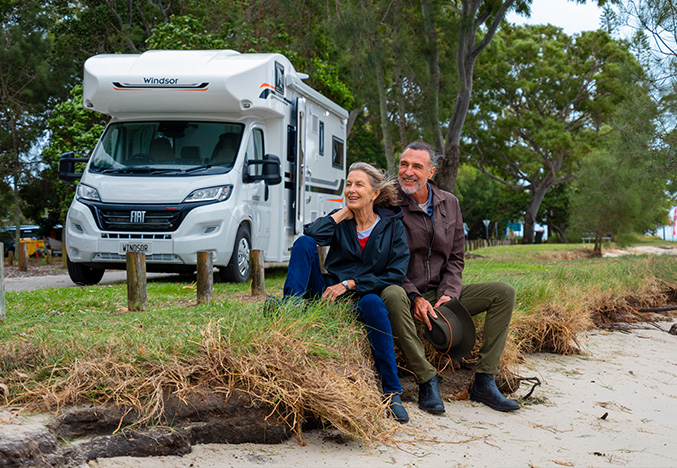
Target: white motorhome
x: 205, y: 151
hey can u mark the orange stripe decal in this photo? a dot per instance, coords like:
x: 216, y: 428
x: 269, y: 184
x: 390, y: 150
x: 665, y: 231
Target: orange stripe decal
x: 266, y: 85
x: 338, y: 200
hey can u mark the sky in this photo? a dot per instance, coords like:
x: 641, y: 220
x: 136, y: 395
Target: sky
x: 571, y: 17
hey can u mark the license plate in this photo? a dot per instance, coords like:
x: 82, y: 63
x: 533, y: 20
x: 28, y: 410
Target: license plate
x: 140, y: 247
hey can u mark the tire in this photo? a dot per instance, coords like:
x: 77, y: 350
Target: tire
x: 239, y: 268
x: 84, y: 275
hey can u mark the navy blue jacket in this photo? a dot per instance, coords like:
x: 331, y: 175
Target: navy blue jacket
x: 385, y: 258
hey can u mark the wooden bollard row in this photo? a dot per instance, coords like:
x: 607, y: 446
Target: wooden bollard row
x: 137, y: 297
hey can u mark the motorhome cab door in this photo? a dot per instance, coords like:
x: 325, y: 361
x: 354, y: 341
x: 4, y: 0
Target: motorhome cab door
x: 257, y: 193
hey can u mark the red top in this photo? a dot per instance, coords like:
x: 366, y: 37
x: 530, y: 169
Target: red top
x: 363, y: 242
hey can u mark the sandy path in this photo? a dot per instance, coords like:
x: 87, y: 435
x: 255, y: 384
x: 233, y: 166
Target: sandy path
x: 629, y: 377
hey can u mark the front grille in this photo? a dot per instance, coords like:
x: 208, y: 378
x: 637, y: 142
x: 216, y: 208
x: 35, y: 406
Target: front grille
x: 155, y: 220
x: 140, y: 218
x: 157, y: 258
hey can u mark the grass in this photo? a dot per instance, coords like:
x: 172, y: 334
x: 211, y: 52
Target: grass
x: 68, y: 346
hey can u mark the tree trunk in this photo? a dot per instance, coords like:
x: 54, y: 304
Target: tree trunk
x: 597, y: 250
x: 537, y: 194
x: 433, y: 63
x: 401, y: 109
x: 352, y: 117
x: 560, y: 233
x: 383, y: 110
x: 16, y: 172
x: 466, y: 55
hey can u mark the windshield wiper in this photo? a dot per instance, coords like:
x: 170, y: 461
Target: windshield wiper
x: 138, y: 170
x: 206, y: 166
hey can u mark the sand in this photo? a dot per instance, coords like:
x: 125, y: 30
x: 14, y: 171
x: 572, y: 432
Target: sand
x: 614, y: 405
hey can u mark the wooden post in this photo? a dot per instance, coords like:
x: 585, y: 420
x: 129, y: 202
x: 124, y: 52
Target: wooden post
x: 205, y: 277
x: 322, y: 254
x: 10, y: 258
x: 48, y: 256
x: 258, y: 272
x: 137, y: 297
x: 2, y: 285
x: 64, y: 255
x: 23, y: 257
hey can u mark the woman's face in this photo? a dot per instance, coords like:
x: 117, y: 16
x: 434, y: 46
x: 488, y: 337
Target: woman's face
x: 359, y: 194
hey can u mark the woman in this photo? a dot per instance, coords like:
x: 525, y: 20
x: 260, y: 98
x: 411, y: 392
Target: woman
x: 368, y: 251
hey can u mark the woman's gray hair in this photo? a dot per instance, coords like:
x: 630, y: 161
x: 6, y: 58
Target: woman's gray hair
x: 421, y: 145
x: 378, y: 181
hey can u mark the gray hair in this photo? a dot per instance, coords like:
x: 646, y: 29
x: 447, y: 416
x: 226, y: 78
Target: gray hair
x: 421, y: 145
x: 378, y: 181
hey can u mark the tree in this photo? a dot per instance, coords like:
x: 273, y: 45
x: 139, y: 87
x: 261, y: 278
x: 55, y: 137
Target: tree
x: 71, y: 128
x: 618, y: 190
x: 542, y: 98
x: 29, y: 74
x: 655, y: 37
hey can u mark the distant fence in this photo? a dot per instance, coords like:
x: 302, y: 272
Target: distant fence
x: 471, y: 245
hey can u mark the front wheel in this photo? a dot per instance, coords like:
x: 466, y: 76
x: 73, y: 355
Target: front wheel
x: 239, y: 268
x: 84, y: 275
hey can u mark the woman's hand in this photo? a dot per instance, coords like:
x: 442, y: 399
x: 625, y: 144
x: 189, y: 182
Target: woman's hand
x: 337, y: 290
x: 342, y: 214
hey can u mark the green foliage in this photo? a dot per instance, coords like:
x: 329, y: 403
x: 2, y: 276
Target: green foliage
x: 183, y: 33
x: 619, y: 190
x: 71, y: 128
x: 483, y: 198
x: 365, y: 144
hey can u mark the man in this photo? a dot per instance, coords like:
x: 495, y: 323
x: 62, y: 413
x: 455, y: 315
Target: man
x: 434, y: 228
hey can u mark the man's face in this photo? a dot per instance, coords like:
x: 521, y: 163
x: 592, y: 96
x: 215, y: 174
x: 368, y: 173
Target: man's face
x: 415, y: 170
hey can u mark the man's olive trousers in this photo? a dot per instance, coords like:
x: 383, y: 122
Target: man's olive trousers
x: 495, y: 298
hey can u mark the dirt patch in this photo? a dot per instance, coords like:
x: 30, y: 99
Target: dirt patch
x: 36, y: 267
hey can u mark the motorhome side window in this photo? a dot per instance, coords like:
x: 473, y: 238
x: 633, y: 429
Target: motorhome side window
x: 336, y: 152
x: 167, y: 148
x: 255, y: 151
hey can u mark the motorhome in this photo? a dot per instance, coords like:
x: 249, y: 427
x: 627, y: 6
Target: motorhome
x: 205, y: 151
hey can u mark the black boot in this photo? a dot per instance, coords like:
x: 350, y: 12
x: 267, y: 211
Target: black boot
x: 429, y: 397
x: 484, y: 390
x: 397, y: 410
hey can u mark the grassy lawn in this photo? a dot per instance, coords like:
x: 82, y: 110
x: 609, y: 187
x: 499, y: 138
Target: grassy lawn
x: 81, y: 345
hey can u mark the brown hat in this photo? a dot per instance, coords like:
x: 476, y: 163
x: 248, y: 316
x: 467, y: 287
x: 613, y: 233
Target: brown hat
x: 453, y: 331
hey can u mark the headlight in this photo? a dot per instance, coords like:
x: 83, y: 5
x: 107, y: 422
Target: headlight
x: 211, y: 193
x: 87, y: 193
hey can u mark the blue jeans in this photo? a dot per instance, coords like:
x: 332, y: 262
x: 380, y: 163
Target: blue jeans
x: 304, y: 279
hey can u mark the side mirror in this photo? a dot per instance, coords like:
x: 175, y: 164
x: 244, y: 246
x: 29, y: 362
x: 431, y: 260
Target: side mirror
x: 67, y: 167
x: 270, y: 173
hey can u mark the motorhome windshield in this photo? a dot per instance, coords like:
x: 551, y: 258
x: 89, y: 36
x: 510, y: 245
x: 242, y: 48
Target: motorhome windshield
x: 167, y: 148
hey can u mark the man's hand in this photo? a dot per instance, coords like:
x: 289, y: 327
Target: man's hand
x: 442, y: 300
x: 421, y: 310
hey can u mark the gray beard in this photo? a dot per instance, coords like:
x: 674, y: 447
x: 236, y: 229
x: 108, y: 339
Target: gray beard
x: 413, y: 190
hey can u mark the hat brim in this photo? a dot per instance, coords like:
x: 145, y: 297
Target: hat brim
x: 453, y: 330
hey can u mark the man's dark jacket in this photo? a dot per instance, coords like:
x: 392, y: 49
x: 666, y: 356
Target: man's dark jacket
x: 436, y: 247
x: 385, y: 258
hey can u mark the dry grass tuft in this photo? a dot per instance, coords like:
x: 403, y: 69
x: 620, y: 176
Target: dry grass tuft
x: 555, y: 329
x: 290, y: 367
x: 287, y: 373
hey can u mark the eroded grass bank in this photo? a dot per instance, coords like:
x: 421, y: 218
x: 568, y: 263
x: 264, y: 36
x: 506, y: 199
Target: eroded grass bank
x: 80, y: 345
